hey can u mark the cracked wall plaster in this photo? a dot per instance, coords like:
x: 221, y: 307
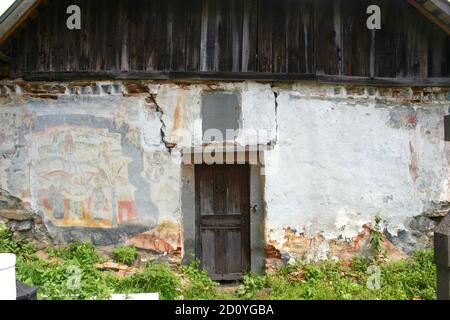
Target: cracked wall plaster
x: 341, y: 154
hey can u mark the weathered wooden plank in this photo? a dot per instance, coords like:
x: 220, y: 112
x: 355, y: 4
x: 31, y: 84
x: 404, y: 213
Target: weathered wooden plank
x: 210, y: 25
x: 222, y: 52
x: 194, y: 25
x: 231, y: 76
x: 138, y: 30
x: 249, y: 35
x: 208, y: 253
x: 326, y: 52
x: 279, y: 36
x: 244, y: 182
x: 206, y: 190
x: 307, y: 40
x: 235, y: 34
x: 265, y: 41
x: 233, y: 254
x: 150, y: 36
x: 220, y: 204
x: 162, y: 60
x: 295, y: 55
x: 176, y: 35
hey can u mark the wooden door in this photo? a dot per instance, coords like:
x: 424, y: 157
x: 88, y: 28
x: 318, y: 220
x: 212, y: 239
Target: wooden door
x: 223, y: 228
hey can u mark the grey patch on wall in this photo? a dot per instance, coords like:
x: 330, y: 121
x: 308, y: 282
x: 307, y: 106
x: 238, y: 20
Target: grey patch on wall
x: 220, y: 110
x: 96, y: 236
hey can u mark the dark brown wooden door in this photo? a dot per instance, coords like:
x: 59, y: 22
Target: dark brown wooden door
x: 223, y: 228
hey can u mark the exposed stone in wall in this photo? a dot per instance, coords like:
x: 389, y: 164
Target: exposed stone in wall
x: 21, y: 221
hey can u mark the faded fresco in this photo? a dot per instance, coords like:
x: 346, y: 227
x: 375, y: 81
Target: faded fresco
x: 84, y: 164
x: 80, y: 177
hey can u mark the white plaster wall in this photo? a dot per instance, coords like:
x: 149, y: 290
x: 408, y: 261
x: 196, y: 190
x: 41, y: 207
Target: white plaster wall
x: 340, y: 162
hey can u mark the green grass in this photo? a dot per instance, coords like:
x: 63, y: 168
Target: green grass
x: 56, y: 277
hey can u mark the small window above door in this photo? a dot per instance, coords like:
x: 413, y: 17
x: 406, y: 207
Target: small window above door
x: 220, y: 112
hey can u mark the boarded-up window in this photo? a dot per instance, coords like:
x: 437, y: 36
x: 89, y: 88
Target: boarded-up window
x: 447, y: 127
x: 220, y: 112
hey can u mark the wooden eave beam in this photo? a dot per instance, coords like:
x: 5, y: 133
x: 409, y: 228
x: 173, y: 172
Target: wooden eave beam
x: 16, y: 18
x: 429, y: 16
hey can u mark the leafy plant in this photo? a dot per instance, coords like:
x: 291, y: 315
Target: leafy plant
x: 71, y: 274
x: 124, y: 254
x: 10, y: 245
x: 376, y: 241
x: 81, y: 252
x: 197, y: 283
x: 250, y: 286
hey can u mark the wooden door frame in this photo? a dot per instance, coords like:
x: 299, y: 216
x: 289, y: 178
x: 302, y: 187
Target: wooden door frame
x: 245, y: 241
x: 257, y: 215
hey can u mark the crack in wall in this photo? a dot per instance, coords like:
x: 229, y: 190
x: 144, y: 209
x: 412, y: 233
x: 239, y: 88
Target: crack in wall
x: 152, y: 99
x: 275, y: 94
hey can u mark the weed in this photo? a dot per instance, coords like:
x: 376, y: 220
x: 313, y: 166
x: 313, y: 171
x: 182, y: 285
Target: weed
x: 124, y: 254
x: 10, y: 245
x: 251, y: 285
x: 80, y: 252
x: 157, y: 277
x: 198, y: 286
x: 376, y: 241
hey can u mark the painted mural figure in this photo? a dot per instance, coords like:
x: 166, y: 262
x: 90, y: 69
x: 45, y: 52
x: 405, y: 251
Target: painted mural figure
x: 68, y: 145
x: 56, y: 201
x: 98, y: 200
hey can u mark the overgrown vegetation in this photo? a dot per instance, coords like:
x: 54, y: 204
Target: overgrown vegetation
x: 57, y: 274
x: 412, y: 278
x: 124, y: 254
x: 156, y: 277
x: 376, y: 241
x: 251, y: 285
x: 198, y: 286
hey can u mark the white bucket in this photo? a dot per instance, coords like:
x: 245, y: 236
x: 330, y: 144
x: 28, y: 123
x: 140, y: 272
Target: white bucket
x: 7, y: 276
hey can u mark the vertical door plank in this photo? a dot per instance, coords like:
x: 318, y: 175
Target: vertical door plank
x: 233, y: 190
x: 244, y: 182
x: 233, y: 252
x: 208, y: 260
x: 206, y: 190
x: 219, y: 189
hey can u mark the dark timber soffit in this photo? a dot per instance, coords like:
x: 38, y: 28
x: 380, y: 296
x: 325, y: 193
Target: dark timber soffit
x: 437, y: 11
x: 13, y: 18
